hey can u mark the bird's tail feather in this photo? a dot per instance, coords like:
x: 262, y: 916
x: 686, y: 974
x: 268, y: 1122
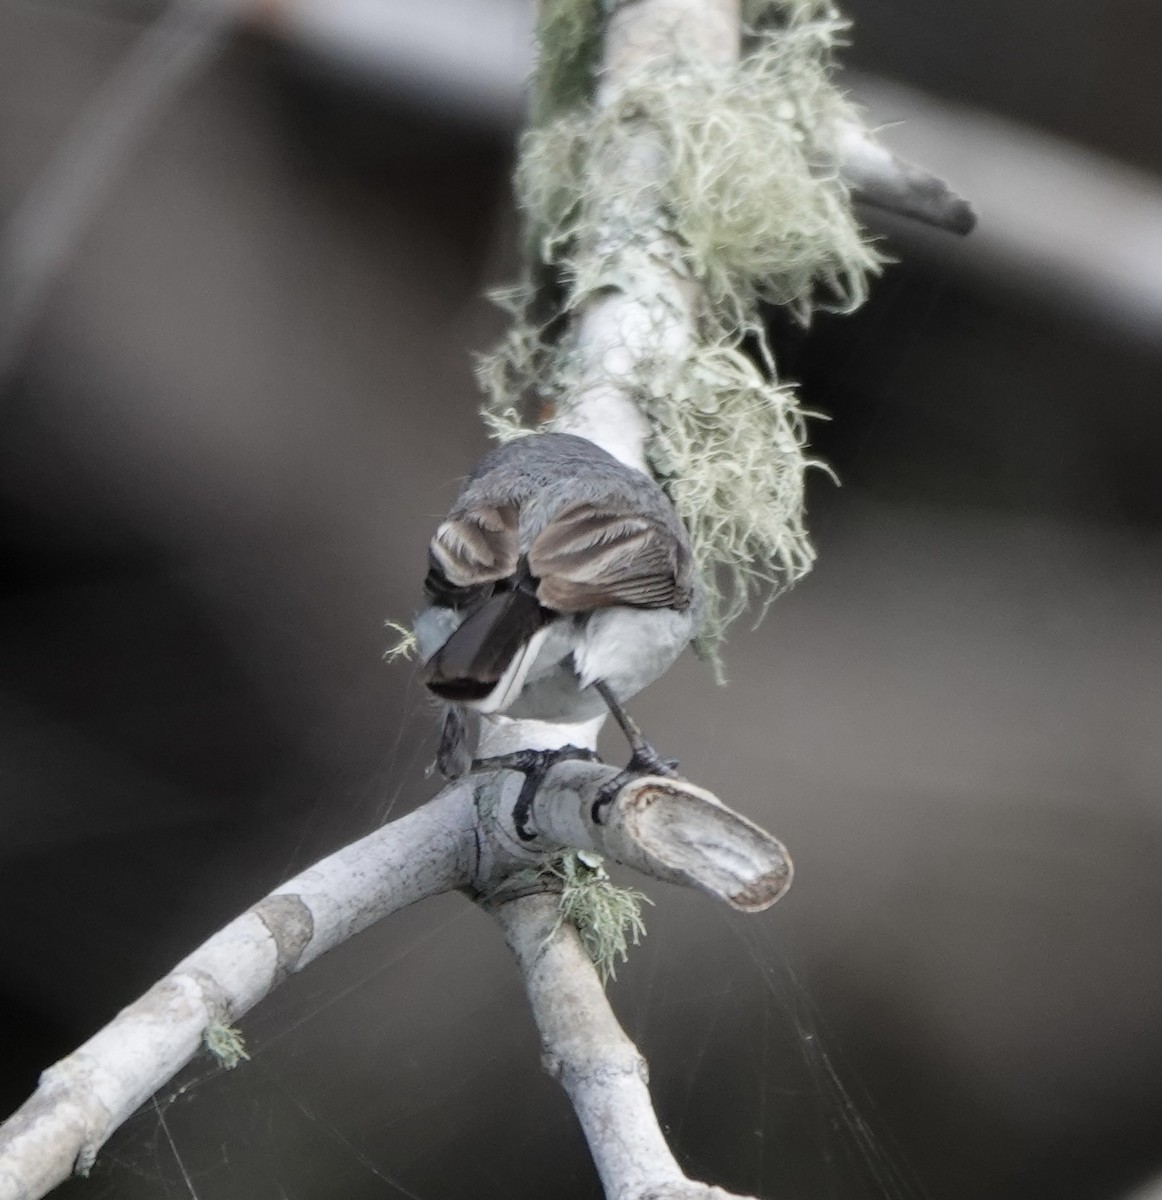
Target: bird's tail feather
x: 468, y: 667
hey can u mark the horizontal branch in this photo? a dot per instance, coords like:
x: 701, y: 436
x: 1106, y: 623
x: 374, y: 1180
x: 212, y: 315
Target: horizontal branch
x: 666, y: 828
x: 1072, y: 227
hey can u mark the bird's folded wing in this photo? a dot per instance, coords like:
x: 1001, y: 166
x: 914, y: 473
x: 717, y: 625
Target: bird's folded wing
x: 477, y: 547
x: 594, y: 557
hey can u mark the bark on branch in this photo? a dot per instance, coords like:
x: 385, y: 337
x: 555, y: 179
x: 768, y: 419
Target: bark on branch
x: 472, y: 836
x: 485, y: 828
x: 587, y: 1052
x: 618, y: 328
x: 880, y: 178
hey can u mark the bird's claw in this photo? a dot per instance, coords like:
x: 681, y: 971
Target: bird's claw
x: 645, y: 761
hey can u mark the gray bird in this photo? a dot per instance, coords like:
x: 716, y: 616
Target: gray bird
x: 561, y: 584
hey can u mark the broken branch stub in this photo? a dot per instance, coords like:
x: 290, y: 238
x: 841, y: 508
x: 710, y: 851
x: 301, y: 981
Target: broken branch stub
x: 879, y: 178
x: 669, y: 829
x: 689, y: 836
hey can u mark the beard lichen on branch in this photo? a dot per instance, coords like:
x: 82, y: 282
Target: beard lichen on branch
x: 607, y: 916
x: 748, y: 212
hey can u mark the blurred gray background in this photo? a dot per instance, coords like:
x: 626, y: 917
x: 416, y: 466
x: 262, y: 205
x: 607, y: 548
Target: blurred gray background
x: 235, y: 420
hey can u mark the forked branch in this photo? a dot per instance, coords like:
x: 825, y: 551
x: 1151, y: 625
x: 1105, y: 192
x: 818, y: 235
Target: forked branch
x: 472, y: 836
x: 635, y: 322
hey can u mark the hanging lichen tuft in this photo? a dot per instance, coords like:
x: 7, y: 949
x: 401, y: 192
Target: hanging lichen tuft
x: 608, y: 918
x: 750, y: 208
x: 569, y: 50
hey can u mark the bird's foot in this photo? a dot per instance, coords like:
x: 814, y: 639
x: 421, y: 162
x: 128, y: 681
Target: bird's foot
x: 645, y: 761
x: 453, y: 758
x: 531, y: 762
x: 534, y: 765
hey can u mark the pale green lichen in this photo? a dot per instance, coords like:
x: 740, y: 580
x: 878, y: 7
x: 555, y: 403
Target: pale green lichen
x: 747, y: 196
x: 743, y: 198
x: 728, y: 445
x: 568, y: 47
x: 608, y: 918
x: 225, y: 1043
x: 518, y: 372
x: 759, y: 13
x: 404, y: 646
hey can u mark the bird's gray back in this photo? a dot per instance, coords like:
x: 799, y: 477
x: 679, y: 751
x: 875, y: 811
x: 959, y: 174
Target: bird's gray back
x: 544, y: 473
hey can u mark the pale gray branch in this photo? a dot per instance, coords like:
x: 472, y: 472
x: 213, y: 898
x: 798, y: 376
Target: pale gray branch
x: 474, y: 835
x: 1067, y: 224
x: 880, y: 178
x: 83, y: 1098
x: 666, y: 828
x: 483, y: 829
x: 588, y: 1053
x: 617, y: 329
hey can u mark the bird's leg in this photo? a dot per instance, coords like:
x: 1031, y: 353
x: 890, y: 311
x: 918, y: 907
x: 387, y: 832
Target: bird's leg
x: 646, y: 760
x: 452, y: 756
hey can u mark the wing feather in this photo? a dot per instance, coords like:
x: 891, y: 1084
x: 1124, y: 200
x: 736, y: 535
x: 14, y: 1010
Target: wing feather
x: 589, y: 557
x: 478, y: 546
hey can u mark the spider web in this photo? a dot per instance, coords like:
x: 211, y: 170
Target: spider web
x: 405, y: 1065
